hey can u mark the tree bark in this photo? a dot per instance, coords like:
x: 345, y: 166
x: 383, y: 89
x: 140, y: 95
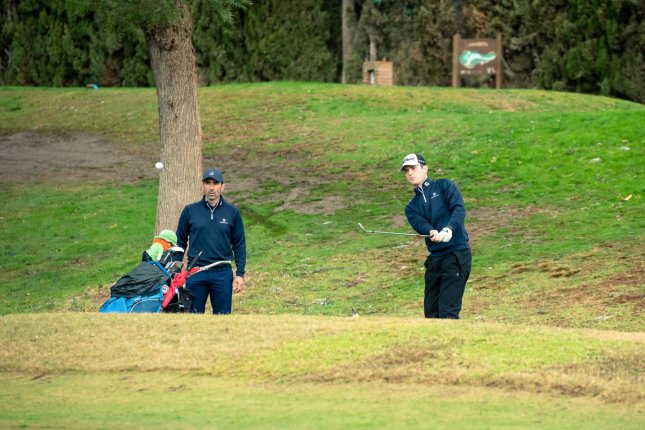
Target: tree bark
x: 373, y: 56
x: 173, y: 63
x: 348, y: 31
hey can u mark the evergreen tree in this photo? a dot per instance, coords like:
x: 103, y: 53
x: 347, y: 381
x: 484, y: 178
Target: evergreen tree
x: 287, y: 39
x: 593, y: 46
x: 220, y: 50
x: 48, y: 46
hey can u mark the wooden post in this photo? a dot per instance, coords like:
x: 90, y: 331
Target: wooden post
x: 456, y: 41
x: 500, y: 70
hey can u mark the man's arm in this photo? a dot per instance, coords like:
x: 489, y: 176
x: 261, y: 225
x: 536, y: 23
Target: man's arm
x: 239, y: 249
x: 182, y: 229
x: 417, y: 221
x: 239, y: 245
x: 456, y: 206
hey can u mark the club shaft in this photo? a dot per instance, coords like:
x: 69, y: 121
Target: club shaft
x: 217, y: 263
x: 390, y: 232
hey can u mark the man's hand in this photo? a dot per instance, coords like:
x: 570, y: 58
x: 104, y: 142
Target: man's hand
x: 238, y: 284
x: 432, y: 234
x: 444, y: 236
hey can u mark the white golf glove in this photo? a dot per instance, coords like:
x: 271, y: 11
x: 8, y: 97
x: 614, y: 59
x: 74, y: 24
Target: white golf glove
x: 443, y: 236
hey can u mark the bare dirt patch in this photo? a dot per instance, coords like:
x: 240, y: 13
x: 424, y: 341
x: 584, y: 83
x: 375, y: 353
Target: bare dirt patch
x: 485, y: 221
x: 294, y: 201
x: 622, y: 287
x: 289, y: 167
x: 29, y: 156
x: 33, y: 157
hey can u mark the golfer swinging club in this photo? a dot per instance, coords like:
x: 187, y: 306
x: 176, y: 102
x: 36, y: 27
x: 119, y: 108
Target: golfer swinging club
x: 437, y: 209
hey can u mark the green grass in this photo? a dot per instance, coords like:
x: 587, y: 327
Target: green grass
x: 132, y: 401
x: 551, y: 330
x: 313, y: 372
x: 61, y: 230
x: 546, y: 177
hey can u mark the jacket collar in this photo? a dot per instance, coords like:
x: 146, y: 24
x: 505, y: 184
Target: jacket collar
x: 425, y: 184
x: 220, y: 203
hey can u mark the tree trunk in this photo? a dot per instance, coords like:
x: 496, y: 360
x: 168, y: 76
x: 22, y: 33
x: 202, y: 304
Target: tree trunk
x: 347, y: 34
x: 173, y: 63
x: 373, y: 56
x: 460, y: 21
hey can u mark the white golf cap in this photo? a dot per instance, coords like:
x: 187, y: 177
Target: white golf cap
x: 412, y: 160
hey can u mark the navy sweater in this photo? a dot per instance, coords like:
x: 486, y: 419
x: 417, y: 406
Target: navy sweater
x: 217, y: 232
x: 435, y: 205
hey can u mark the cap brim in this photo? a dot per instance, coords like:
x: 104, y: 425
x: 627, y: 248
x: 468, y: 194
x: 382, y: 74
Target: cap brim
x: 408, y: 164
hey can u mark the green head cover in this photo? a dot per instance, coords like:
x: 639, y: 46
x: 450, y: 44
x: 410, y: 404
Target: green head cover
x: 169, y: 236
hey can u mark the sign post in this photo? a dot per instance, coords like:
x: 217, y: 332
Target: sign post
x: 476, y: 57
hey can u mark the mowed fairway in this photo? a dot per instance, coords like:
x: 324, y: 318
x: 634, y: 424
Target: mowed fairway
x: 329, y: 333
x: 164, y: 371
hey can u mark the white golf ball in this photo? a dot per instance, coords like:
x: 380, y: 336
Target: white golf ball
x: 159, y: 165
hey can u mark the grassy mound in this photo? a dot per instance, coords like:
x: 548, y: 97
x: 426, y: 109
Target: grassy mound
x: 552, y: 182
x: 329, y: 333
x: 288, y: 371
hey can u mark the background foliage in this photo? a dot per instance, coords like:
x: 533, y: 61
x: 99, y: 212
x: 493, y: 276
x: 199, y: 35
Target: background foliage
x: 588, y: 46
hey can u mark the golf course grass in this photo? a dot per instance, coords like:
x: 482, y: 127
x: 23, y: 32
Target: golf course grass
x: 329, y: 333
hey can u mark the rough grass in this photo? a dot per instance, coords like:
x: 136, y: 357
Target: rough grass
x: 275, y: 371
x: 606, y: 366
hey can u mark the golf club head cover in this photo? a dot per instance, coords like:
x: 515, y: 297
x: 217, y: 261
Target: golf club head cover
x: 179, y: 280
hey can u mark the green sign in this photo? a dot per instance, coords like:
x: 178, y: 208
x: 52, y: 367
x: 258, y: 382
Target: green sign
x: 471, y: 59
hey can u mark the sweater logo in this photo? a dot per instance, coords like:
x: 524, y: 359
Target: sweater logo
x: 223, y: 221
x: 434, y: 195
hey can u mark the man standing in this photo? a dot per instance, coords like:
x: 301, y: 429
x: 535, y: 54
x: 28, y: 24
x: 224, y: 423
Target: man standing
x: 213, y: 227
x: 437, y: 209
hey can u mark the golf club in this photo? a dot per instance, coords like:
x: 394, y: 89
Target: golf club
x: 179, y: 280
x: 167, y: 256
x: 217, y: 263
x: 391, y: 232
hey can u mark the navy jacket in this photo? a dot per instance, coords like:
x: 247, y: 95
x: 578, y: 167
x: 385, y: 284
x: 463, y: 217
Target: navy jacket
x: 217, y: 232
x: 435, y: 205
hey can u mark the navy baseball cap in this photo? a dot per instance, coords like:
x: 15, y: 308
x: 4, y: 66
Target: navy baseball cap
x: 412, y: 160
x: 213, y: 174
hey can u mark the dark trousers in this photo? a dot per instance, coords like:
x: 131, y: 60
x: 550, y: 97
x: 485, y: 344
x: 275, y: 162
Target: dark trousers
x: 445, y: 282
x: 218, y: 284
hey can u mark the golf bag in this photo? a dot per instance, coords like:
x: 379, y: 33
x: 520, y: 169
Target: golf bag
x: 151, y: 288
x: 177, y: 298
x: 140, y: 290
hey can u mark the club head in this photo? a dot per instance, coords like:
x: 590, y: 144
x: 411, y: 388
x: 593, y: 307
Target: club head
x: 174, y: 266
x: 171, y: 254
x: 362, y: 228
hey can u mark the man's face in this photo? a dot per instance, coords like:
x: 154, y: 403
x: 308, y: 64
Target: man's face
x: 212, y: 190
x: 416, y: 174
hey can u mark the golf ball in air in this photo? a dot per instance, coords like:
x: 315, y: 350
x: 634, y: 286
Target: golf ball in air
x: 159, y: 165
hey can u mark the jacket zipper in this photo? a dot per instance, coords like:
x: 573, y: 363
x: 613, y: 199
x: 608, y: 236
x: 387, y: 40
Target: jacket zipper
x: 422, y: 193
